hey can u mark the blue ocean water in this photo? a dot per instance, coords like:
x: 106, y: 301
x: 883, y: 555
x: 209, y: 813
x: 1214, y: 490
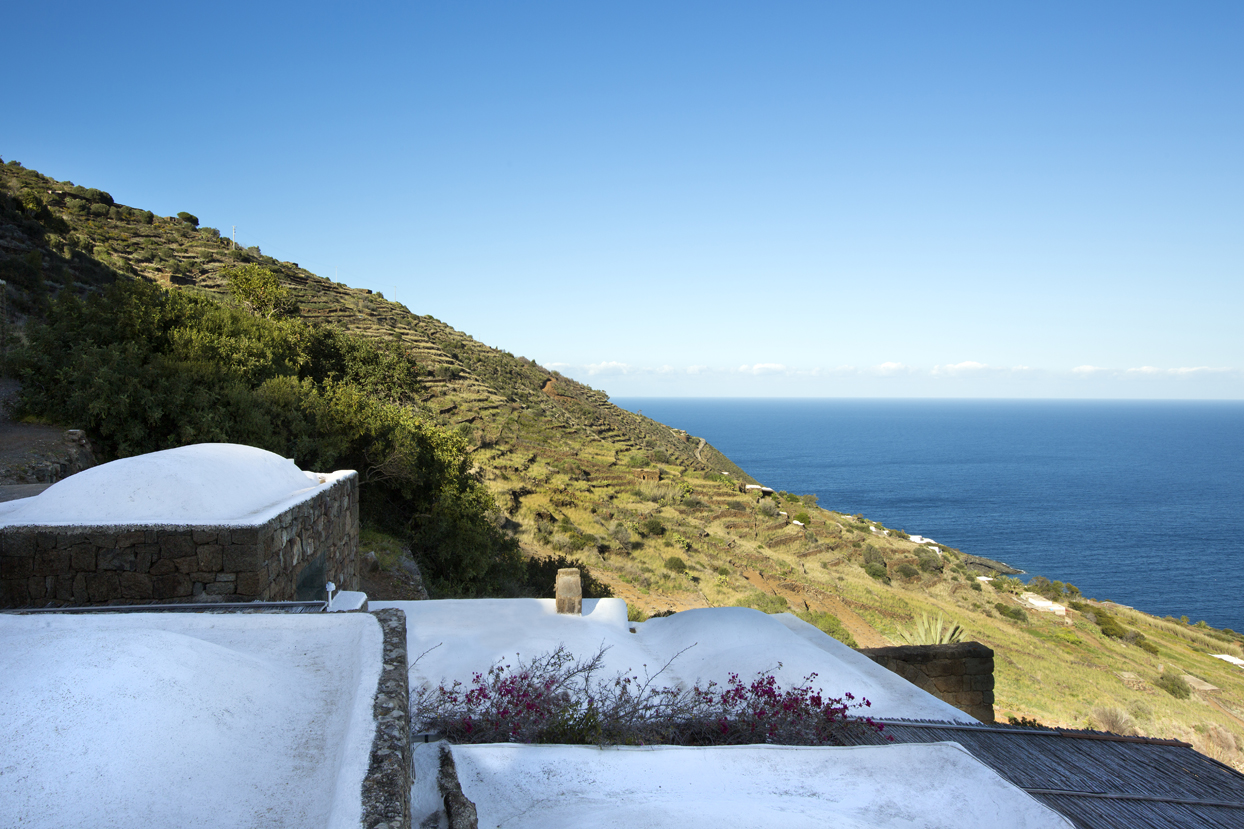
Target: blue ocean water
x: 1139, y: 502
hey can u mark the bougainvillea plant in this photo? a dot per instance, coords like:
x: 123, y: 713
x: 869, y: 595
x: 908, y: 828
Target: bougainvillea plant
x: 556, y: 698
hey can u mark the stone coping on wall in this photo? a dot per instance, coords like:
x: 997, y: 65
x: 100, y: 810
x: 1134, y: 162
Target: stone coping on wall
x: 386, y: 788
x: 253, y: 520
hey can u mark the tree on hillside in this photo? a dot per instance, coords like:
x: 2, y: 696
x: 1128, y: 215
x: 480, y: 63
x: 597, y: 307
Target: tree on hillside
x: 260, y: 290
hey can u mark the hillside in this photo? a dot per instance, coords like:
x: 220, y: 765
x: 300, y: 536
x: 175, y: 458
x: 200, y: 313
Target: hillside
x: 660, y: 516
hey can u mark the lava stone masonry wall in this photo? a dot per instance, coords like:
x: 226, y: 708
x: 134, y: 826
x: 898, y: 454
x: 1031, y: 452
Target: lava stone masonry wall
x: 960, y: 674
x: 386, y: 788
x: 81, y: 566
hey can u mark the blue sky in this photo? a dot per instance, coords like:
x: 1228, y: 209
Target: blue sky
x: 726, y: 199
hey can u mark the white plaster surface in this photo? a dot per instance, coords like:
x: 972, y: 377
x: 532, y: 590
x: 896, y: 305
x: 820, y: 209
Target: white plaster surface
x: 783, y: 787
x: 208, y: 484
x: 461, y: 637
x: 186, y: 720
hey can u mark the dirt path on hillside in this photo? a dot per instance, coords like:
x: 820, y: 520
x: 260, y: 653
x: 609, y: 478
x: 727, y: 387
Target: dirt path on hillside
x: 34, y: 453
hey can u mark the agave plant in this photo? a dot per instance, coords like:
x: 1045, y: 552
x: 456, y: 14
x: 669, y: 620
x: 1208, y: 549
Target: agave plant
x: 928, y: 632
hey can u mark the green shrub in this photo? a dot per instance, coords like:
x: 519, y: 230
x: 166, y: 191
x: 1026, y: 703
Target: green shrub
x: 189, y: 218
x: 1173, y: 684
x: 1109, y: 625
x: 830, y: 624
x: 976, y: 586
x: 877, y: 571
x: 652, y: 527
x: 1010, y: 612
x: 906, y: 571
x: 803, y: 518
x: 675, y: 564
x: 723, y: 570
x: 1147, y: 646
x: 764, y: 602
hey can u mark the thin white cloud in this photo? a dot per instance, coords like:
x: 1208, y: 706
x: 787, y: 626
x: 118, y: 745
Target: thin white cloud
x: 1088, y: 370
x: 762, y: 368
x: 965, y: 367
x: 891, y: 369
x: 608, y: 367
x: 1153, y: 371
x: 696, y: 369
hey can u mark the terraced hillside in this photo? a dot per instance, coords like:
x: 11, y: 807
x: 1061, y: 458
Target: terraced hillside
x: 659, y: 516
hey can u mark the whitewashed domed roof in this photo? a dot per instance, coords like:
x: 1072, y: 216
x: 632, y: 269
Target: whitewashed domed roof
x: 204, y: 484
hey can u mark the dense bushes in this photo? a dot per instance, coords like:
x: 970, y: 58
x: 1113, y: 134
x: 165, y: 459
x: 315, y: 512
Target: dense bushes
x: 1010, y: 612
x: 142, y: 369
x: 874, y: 564
x: 1174, y: 684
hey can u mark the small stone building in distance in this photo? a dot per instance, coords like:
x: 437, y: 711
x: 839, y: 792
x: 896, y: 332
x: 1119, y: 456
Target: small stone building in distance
x: 210, y: 522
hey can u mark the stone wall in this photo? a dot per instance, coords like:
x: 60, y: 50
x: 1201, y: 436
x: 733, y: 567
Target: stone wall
x: 288, y: 558
x: 386, y: 788
x: 960, y: 674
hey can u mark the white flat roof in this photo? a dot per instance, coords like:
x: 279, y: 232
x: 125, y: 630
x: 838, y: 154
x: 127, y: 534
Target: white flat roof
x: 767, y: 787
x: 186, y: 719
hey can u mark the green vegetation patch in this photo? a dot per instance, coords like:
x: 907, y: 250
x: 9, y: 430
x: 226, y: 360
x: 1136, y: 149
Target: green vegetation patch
x: 764, y: 602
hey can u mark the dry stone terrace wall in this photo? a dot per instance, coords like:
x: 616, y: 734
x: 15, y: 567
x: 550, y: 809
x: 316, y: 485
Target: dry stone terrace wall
x: 960, y: 674
x: 287, y: 558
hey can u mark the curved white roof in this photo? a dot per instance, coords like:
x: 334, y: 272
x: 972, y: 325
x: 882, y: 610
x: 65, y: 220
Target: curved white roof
x: 204, y: 484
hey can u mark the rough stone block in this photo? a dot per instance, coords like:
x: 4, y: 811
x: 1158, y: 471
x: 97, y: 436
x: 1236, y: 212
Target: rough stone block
x: 114, y: 559
x: 948, y: 684
x: 203, y: 536
x: 14, y: 567
x: 244, y: 536
x: 68, y: 540
x: 80, y: 594
x: 218, y: 589
x: 14, y: 593
x: 980, y: 682
x: 136, y: 586
x: 104, y: 540
x: 973, y: 665
x: 17, y: 544
x: 36, y: 587
x: 250, y: 584
x: 64, y: 588
x: 45, y: 541
x: 187, y: 564
x: 210, y: 557
x: 172, y: 586
x: 229, y: 577
x: 237, y: 558
x: 176, y: 545
x: 100, y: 587
x: 82, y: 557
x: 163, y: 567
x: 131, y: 538
x: 50, y: 562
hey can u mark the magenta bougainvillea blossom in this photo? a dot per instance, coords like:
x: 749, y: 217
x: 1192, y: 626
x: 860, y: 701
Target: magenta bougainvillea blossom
x: 556, y: 698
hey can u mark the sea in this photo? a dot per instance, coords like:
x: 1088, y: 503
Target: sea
x: 1137, y: 502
